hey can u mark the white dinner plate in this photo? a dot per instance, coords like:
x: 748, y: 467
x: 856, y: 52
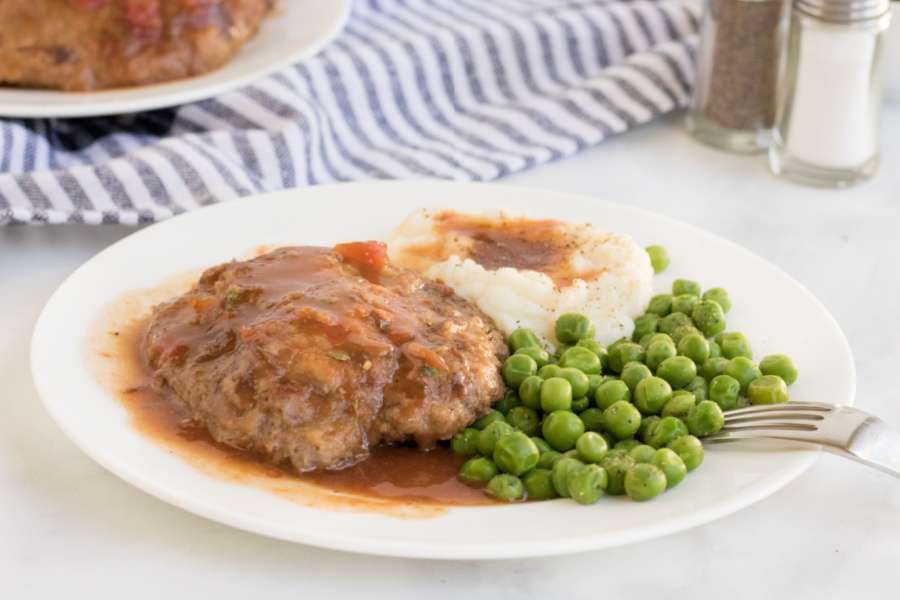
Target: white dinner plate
x: 776, y: 312
x: 296, y: 30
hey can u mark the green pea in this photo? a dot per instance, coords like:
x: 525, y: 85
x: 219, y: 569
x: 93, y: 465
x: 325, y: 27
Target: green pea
x: 719, y: 296
x: 626, y: 445
x: 509, y: 401
x: 679, y: 405
x: 616, y: 466
x: 673, y: 321
x: 660, y: 305
x: 678, y: 371
x: 523, y: 338
x: 705, y: 419
x: 616, y: 344
x: 689, y: 449
x: 594, y: 382
x: 465, y: 442
x: 659, y: 337
x: 683, y: 331
x: 555, y: 394
x: 659, y: 258
x: 577, y: 379
x: 646, y: 424
x: 582, y: 359
x: 659, y: 351
x: 483, y: 422
x: 625, y: 353
x: 580, y: 404
x: 506, y: 487
x: 560, y: 474
x: 622, y: 420
x: 516, y: 368
x: 734, y: 344
x: 715, y: 350
x: 668, y: 461
x: 713, y: 367
x: 524, y: 419
x: 724, y: 391
x: 548, y: 459
x: 561, y: 429
x: 538, y: 354
x: 573, y: 453
x: 488, y: 436
x: 742, y: 369
x: 592, y: 419
x: 592, y: 345
x: 666, y: 430
x: 651, y: 395
x: 695, y: 347
x: 633, y: 373
x: 515, y: 453
x: 571, y: 327
x: 685, y: 286
x: 709, y: 317
x: 644, y: 325
x: 610, y: 392
x: 530, y: 392
x: 684, y: 303
x: 586, y: 484
x: 477, y: 470
x: 642, y: 453
x: 780, y: 365
x: 644, y: 481
x: 591, y: 447
x: 548, y: 371
x: 539, y: 485
x: 768, y: 389
x: 699, y: 388
x: 542, y: 445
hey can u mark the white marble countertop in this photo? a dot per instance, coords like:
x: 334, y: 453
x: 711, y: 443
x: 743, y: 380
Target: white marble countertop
x: 69, y: 528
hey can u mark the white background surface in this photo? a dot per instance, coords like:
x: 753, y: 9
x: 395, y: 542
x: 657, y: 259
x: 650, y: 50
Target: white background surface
x: 68, y: 528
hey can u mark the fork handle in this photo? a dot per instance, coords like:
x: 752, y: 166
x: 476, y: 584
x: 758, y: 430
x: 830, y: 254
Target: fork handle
x: 874, y: 444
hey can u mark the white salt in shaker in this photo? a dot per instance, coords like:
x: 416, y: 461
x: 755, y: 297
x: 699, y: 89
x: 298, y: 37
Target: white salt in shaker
x: 829, y: 103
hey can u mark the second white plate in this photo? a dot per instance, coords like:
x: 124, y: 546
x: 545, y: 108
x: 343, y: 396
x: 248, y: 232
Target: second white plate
x: 298, y: 29
x: 775, y: 311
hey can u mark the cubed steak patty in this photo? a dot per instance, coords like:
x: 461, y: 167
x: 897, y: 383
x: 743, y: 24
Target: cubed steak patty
x: 82, y: 45
x: 314, y: 355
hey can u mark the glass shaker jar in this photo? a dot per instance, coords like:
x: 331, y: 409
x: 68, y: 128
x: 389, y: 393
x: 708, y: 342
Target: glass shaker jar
x: 733, y: 106
x: 827, y: 129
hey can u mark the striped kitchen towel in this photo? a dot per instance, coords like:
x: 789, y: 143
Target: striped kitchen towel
x: 455, y: 89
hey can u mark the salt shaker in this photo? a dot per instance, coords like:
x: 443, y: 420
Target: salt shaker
x: 733, y: 106
x: 827, y: 125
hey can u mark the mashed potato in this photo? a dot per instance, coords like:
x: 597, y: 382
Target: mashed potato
x: 525, y: 272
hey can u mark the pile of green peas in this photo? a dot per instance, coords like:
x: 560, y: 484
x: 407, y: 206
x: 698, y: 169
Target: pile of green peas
x: 627, y: 419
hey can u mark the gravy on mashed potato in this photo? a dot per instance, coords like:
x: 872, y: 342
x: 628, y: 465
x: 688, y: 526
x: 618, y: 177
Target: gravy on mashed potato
x: 525, y: 272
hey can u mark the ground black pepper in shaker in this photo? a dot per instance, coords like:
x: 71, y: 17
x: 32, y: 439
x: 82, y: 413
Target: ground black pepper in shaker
x: 734, y: 101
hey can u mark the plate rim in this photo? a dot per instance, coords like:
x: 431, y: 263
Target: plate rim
x: 418, y: 549
x: 105, y: 103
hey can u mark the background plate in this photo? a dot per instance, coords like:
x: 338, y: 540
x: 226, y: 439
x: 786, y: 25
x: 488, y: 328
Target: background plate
x: 776, y: 312
x: 298, y: 29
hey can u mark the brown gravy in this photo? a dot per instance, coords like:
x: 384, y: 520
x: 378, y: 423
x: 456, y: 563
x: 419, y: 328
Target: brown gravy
x: 401, y: 481
x: 541, y: 245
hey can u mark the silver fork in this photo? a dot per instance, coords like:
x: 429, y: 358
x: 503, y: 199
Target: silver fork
x: 842, y: 430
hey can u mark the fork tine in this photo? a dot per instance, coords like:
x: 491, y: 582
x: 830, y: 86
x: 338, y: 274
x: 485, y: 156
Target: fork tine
x: 770, y: 415
x: 787, y: 406
x: 769, y: 425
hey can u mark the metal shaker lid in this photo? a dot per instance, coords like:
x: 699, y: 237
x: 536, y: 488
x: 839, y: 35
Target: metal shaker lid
x: 843, y: 11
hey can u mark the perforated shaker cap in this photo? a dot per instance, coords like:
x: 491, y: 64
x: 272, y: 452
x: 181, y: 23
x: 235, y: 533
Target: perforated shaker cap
x: 843, y: 11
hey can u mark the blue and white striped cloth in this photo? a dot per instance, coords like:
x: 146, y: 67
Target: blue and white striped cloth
x: 456, y: 89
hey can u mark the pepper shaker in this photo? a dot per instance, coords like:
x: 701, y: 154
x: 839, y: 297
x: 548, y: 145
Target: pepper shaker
x: 827, y: 128
x: 733, y: 105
